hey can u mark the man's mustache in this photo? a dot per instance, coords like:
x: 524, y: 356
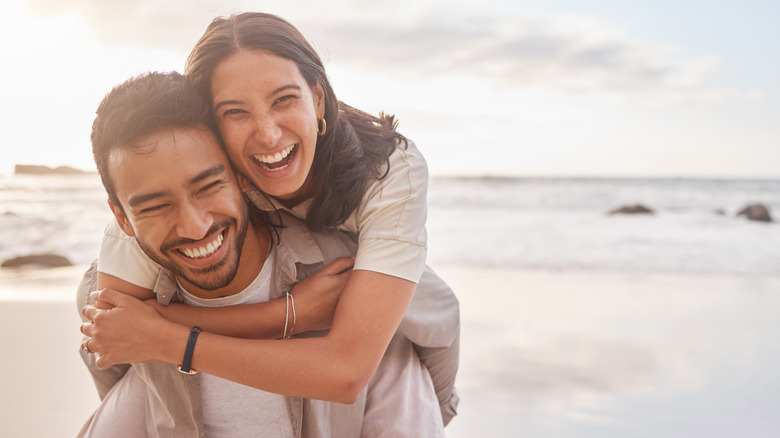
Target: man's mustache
x: 171, y: 244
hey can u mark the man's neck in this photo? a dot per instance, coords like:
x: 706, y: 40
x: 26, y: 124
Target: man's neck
x: 253, y: 254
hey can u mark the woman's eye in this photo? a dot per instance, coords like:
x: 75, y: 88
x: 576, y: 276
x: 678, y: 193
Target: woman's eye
x: 286, y: 97
x: 232, y: 111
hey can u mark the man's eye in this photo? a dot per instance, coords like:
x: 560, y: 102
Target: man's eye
x: 211, y: 186
x: 153, y: 209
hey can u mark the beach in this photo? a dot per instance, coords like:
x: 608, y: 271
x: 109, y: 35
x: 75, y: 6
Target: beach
x: 599, y: 354
x: 544, y: 353
x: 46, y: 390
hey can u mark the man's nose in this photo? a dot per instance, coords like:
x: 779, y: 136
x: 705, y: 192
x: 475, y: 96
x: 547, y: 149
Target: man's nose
x: 193, y: 222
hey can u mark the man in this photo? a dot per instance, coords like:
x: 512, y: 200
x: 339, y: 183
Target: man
x: 172, y: 188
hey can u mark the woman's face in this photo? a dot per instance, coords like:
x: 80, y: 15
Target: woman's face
x: 267, y: 114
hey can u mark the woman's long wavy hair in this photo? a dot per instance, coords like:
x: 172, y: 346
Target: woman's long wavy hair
x: 354, y: 150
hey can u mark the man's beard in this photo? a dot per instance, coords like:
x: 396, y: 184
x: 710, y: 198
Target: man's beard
x: 200, y: 277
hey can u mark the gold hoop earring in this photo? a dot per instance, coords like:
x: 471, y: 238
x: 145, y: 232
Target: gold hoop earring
x: 322, y: 126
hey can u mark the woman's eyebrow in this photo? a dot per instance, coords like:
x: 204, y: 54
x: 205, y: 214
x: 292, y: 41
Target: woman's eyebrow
x: 271, y: 94
x: 225, y: 102
x: 284, y: 88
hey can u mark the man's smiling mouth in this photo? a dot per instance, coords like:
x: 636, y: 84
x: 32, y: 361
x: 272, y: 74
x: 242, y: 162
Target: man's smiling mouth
x: 204, y: 251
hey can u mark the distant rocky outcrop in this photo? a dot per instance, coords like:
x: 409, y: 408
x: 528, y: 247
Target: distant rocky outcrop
x: 632, y: 209
x: 756, y: 212
x: 37, y: 260
x: 35, y: 169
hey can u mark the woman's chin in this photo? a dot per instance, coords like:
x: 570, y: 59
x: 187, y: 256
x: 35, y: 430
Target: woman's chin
x: 288, y: 183
x: 279, y: 188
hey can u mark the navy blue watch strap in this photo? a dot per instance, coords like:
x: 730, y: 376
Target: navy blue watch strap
x: 186, y: 362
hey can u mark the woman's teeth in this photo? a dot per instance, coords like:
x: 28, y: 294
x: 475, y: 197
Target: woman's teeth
x: 275, y: 161
x: 199, y: 253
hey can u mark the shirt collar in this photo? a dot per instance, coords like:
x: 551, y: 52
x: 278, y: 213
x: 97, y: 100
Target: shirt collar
x: 269, y: 203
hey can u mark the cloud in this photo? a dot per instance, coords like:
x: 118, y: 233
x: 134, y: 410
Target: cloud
x: 497, y: 43
x: 173, y: 26
x: 575, y: 55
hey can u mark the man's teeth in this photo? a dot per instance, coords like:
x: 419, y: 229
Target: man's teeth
x: 199, y: 253
x: 275, y: 158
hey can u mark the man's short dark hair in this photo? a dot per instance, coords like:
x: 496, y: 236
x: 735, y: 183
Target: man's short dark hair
x: 142, y: 106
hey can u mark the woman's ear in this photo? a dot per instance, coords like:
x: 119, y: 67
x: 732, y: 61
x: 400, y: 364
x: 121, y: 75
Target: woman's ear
x: 319, y: 100
x: 121, y: 219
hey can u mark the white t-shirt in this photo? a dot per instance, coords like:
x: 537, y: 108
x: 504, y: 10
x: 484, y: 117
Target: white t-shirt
x: 389, y: 224
x: 231, y: 409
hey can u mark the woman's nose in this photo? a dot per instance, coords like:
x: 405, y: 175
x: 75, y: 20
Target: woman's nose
x: 267, y: 131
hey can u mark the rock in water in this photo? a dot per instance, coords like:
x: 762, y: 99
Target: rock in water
x: 632, y: 209
x: 35, y: 169
x: 756, y: 212
x: 37, y: 260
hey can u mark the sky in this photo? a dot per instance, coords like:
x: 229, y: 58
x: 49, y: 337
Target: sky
x: 666, y: 88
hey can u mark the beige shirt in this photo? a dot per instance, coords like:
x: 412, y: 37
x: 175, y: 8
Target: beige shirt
x: 174, y: 404
x: 231, y: 409
x: 389, y: 222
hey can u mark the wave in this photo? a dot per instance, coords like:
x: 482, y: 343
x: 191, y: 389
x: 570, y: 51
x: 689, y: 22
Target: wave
x: 539, y: 223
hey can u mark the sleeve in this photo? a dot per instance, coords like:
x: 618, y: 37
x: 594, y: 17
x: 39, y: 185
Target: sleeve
x: 122, y: 257
x: 391, y: 220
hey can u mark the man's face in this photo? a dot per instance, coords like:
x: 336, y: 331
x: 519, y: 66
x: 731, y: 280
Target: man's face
x: 182, y: 203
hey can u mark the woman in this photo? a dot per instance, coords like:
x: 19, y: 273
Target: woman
x: 335, y: 167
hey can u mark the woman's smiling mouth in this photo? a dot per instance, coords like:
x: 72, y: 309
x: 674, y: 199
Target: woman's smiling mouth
x: 278, y: 161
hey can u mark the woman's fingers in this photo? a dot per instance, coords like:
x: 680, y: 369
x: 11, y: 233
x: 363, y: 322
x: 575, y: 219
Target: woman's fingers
x: 103, y: 361
x: 100, y: 304
x: 338, y: 266
x: 125, y: 332
x: 89, y: 312
x: 87, y: 328
x: 111, y: 297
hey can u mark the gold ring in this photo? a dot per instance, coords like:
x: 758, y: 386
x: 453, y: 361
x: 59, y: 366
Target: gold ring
x: 85, y: 346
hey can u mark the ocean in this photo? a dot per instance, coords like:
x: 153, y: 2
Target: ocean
x: 575, y: 323
x: 524, y: 223
x: 563, y: 224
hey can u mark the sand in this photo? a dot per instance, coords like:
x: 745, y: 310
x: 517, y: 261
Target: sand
x: 46, y: 391
x: 567, y: 354
x: 544, y: 354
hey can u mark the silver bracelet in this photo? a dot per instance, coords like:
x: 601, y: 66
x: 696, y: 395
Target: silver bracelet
x: 295, y: 317
x: 286, y: 313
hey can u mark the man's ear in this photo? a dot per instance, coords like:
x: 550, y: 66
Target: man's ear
x: 124, y: 223
x: 243, y: 182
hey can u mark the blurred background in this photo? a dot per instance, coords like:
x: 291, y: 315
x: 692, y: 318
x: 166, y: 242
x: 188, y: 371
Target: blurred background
x: 560, y: 87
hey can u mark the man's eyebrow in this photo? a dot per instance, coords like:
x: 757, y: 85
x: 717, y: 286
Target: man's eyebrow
x: 277, y: 91
x: 134, y: 201
x: 140, y: 199
x: 212, y: 171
